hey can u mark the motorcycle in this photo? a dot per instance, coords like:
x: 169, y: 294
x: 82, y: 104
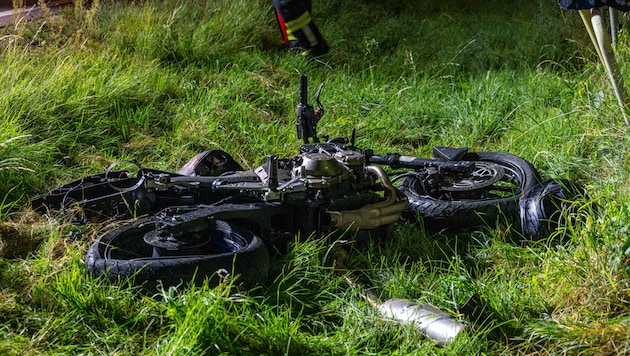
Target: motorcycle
x: 213, y: 215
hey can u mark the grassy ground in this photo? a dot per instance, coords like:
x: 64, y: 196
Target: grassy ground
x: 159, y: 81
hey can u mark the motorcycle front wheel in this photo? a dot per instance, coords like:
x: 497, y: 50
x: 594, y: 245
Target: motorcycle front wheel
x: 490, y: 193
x: 226, y: 249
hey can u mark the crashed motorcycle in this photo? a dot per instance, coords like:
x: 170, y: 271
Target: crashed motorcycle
x: 214, y: 217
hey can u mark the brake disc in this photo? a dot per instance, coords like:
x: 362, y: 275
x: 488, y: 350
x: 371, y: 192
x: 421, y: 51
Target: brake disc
x: 484, y: 175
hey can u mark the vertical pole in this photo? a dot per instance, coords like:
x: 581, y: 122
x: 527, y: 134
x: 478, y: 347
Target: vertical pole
x: 586, y: 18
x: 612, y: 14
x: 610, y: 63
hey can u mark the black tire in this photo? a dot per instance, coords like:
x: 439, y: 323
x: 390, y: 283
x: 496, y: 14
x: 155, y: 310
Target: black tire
x: 498, y: 201
x: 122, y: 253
x: 542, y: 207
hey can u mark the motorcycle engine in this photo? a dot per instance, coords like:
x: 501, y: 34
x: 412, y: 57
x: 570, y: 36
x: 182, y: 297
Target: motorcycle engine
x: 334, y: 177
x: 341, y: 191
x: 321, y: 170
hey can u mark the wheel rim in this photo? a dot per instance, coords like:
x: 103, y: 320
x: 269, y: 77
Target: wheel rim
x: 489, y: 181
x: 141, y: 242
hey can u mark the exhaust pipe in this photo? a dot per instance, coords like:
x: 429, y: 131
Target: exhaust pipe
x: 436, y: 324
x: 374, y: 215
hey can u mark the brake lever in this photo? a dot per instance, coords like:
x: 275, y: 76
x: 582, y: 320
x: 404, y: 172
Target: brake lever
x: 320, y: 108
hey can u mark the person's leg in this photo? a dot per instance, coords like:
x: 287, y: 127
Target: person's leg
x: 299, y: 32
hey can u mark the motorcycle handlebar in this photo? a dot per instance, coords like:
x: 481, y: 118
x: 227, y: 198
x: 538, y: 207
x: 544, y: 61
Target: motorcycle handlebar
x: 395, y: 160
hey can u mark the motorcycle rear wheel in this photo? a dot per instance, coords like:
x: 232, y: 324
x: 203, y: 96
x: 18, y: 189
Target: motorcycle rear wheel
x: 232, y: 250
x: 471, y: 203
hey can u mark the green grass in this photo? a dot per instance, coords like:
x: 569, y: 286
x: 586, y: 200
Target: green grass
x: 159, y: 81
